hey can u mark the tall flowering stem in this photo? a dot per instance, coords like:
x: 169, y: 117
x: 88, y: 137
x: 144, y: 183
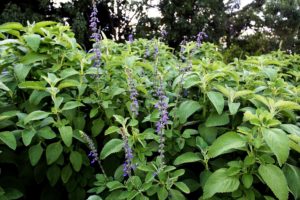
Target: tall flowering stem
x: 162, y: 107
x: 134, y: 106
x: 127, y: 166
x: 94, y: 21
x: 200, y: 37
x: 93, y: 154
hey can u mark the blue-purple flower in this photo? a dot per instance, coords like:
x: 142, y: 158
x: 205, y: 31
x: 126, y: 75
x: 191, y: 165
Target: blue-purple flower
x: 162, y: 107
x: 130, y: 38
x: 93, y: 154
x: 95, y: 35
x: 134, y: 106
x: 200, y: 37
x: 127, y: 166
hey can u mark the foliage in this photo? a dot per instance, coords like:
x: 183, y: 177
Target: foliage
x: 232, y: 130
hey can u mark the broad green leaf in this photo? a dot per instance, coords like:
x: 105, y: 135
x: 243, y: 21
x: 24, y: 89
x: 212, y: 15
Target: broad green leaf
x: 33, y: 41
x: 9, y: 139
x: 53, y: 151
x: 76, y: 160
x: 11, y: 193
x: 183, y: 187
x: 278, y: 142
x: 275, y: 179
x: 35, y: 85
x: 66, y: 173
x: 113, y: 185
x: 71, y: 105
x: 175, y: 194
x: 292, y: 174
x: 37, y: 96
x: 187, y: 157
x: 98, y: 125
x: 233, y: 107
x: 217, y: 100
x: 68, y: 83
x: 11, y: 25
x: 120, y: 119
x: 291, y: 128
x: 35, y: 153
x: 68, y: 72
x: 53, y: 174
x: 112, y: 146
x: 191, y: 80
x: 27, y: 136
x: 186, y: 109
x: 22, y: 71
x: 32, y: 57
x: 162, y: 193
x: 217, y: 120
x: 220, y: 182
x: 247, y: 180
x: 111, y: 129
x: 209, y: 134
x: 46, y: 133
x: 226, y: 143
x: 4, y: 87
x: 94, y: 197
x: 66, y: 134
x: 36, y: 115
x: 8, y: 114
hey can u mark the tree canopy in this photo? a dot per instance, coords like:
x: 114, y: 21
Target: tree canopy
x: 259, y: 27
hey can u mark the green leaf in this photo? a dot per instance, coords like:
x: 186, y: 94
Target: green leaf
x: 226, y: 143
x: 111, y: 129
x: 175, y: 194
x: 8, y: 114
x: 11, y: 193
x: 35, y: 153
x: 191, y: 81
x: 291, y: 129
x: 76, y: 160
x: 46, y: 133
x: 97, y: 127
x: 217, y: 100
x: 217, y: 120
x: 33, y: 41
x: 35, y: 85
x: 27, y: 136
x: 187, y: 157
x: 292, y: 174
x: 94, y: 197
x: 4, y: 87
x: 183, y: 187
x: 66, y: 134
x: 112, y: 146
x: 53, y: 174
x: 114, y: 185
x: 120, y: 119
x: 32, y: 57
x: 186, y: 109
x: 22, y: 71
x: 66, y: 173
x: 275, y: 179
x: 53, y: 151
x: 233, y: 107
x: 9, y: 139
x: 11, y: 25
x: 162, y: 193
x: 220, y: 182
x: 71, y: 105
x: 68, y: 83
x: 36, y: 115
x: 278, y: 142
x: 247, y: 180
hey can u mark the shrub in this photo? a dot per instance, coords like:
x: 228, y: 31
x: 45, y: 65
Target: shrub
x: 144, y: 122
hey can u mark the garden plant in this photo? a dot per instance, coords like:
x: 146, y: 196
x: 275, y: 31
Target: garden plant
x: 139, y: 120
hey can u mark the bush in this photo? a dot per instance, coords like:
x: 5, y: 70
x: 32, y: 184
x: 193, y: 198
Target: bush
x: 166, y: 125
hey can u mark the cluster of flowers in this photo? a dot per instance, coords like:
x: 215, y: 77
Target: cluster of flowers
x: 127, y: 166
x: 94, y: 21
x: 93, y: 154
x: 134, y: 106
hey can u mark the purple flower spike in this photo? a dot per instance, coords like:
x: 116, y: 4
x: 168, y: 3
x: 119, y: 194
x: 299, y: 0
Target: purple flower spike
x: 164, y: 33
x: 93, y: 155
x: 162, y: 106
x: 200, y: 37
x: 130, y: 38
x: 127, y: 166
x: 134, y: 106
x: 94, y: 21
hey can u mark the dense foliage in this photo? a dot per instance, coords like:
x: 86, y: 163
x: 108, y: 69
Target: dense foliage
x: 147, y: 122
